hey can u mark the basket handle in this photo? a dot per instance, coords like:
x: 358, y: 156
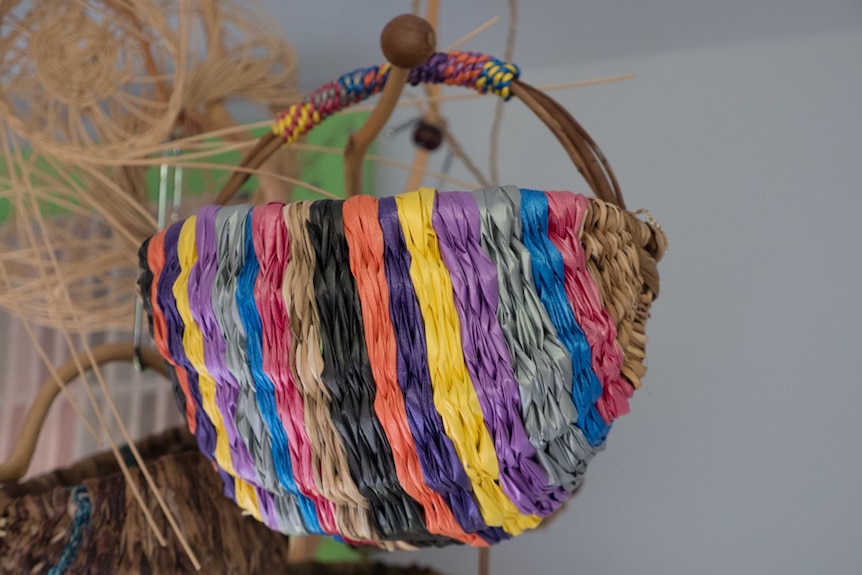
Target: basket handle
x: 467, y: 69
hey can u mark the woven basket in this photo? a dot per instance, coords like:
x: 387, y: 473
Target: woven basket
x: 38, y: 533
x: 423, y: 370
x: 84, y: 519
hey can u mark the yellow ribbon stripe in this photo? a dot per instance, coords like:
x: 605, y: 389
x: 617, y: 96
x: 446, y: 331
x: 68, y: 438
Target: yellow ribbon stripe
x: 454, y: 395
x: 193, y: 342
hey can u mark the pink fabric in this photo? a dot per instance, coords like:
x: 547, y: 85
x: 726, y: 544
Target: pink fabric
x: 566, y: 212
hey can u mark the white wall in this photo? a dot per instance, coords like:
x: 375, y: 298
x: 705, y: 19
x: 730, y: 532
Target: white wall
x: 742, y: 454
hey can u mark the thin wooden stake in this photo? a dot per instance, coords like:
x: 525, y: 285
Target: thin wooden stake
x: 472, y: 34
x: 485, y: 561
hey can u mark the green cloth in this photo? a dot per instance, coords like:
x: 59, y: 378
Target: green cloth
x: 316, y: 168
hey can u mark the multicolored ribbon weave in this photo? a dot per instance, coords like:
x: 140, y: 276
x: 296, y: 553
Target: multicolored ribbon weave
x: 467, y: 69
x: 427, y: 369
x: 542, y: 364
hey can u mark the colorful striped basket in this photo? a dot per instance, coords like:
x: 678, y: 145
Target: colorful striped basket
x: 418, y: 370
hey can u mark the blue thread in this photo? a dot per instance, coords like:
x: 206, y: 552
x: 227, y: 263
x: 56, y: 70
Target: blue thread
x: 548, y: 275
x: 265, y: 390
x: 83, y: 510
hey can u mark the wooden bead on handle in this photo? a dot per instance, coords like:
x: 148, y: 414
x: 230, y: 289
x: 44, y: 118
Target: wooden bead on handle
x: 408, y: 41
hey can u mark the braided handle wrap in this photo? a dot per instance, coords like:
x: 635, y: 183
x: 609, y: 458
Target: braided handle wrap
x: 477, y: 71
x: 467, y: 69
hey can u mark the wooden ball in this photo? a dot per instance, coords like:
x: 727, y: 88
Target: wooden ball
x: 408, y: 41
x: 427, y: 136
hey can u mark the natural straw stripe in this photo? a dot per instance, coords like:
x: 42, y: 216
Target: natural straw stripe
x: 622, y: 252
x: 565, y: 219
x: 273, y: 249
x: 329, y: 458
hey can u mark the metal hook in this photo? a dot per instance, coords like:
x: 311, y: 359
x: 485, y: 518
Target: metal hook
x: 178, y: 188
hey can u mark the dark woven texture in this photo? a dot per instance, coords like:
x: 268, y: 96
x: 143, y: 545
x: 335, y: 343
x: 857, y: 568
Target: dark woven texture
x: 38, y: 522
